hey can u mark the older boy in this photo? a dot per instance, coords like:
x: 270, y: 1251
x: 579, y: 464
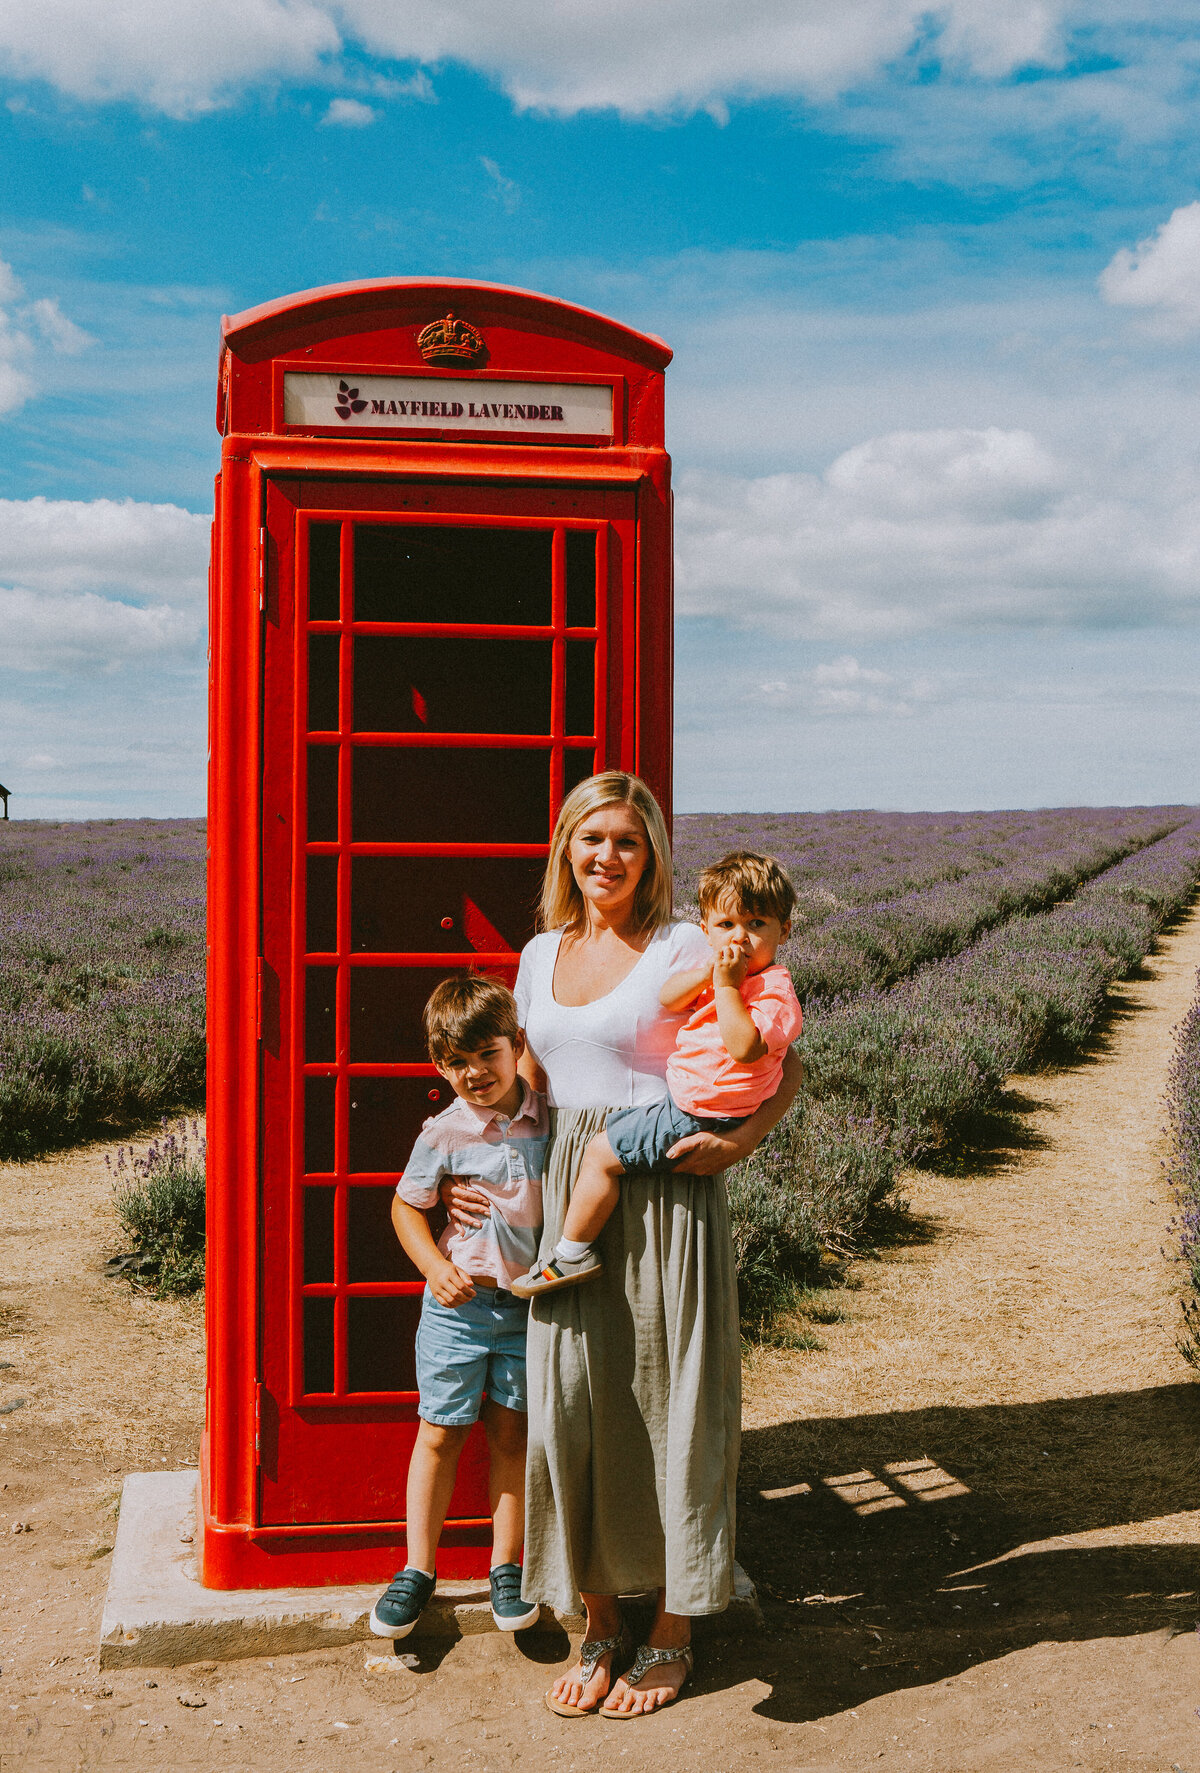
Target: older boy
x: 471, y: 1336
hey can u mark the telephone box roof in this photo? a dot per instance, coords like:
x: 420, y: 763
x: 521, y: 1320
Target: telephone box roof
x: 376, y: 302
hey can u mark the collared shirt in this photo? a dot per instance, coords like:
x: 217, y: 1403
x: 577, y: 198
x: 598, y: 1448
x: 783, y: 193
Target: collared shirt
x: 506, y: 1160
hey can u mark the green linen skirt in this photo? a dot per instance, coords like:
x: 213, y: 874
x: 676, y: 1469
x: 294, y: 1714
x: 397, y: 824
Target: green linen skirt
x: 635, y: 1396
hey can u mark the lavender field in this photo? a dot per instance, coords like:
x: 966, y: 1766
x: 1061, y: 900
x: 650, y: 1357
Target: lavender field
x: 1183, y: 1107
x: 101, y: 977
x: 935, y: 955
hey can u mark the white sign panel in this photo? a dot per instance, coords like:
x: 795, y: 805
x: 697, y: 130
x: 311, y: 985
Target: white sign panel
x: 425, y: 403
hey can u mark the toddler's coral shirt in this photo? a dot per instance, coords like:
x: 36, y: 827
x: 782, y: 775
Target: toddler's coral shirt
x: 702, y: 1077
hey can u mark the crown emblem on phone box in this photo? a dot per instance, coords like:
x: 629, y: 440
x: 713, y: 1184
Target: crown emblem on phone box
x: 450, y: 341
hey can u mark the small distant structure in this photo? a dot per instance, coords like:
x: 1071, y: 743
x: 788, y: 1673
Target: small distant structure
x: 4, y: 798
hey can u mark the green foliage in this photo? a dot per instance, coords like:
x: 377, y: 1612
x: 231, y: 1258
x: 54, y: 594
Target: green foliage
x: 159, y: 1200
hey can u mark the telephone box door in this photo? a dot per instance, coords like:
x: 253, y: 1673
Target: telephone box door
x: 441, y: 664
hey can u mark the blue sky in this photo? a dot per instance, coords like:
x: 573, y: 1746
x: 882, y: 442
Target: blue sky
x: 932, y: 277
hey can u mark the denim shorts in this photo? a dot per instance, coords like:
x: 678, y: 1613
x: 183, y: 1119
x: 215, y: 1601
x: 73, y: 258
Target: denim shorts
x: 642, y: 1137
x: 466, y: 1350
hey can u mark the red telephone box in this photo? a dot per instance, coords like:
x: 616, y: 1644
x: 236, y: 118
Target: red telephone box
x: 441, y: 597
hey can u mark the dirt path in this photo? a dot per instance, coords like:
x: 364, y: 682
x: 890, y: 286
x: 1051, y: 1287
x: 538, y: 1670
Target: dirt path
x: 974, y: 1511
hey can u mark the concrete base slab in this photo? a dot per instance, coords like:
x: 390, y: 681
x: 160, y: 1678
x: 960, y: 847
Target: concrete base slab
x: 157, y: 1614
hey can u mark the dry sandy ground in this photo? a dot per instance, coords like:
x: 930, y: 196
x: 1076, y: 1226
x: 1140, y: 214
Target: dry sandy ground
x: 973, y: 1514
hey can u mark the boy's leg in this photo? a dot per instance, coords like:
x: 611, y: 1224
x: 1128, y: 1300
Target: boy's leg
x: 505, y: 1431
x: 595, y: 1193
x: 431, y: 1474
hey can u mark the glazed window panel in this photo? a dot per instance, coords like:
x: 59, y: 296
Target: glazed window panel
x: 580, y: 688
x: 319, y: 1095
x: 323, y: 685
x: 386, y: 1114
x: 318, y: 1234
x: 320, y: 905
x: 411, y: 684
x: 581, y: 578
x: 386, y: 1010
x: 443, y: 904
x: 444, y: 573
x: 318, y: 1344
x: 320, y: 1004
x: 324, y: 572
x: 382, y: 1342
x: 373, y: 1249
x: 322, y: 793
x: 476, y: 794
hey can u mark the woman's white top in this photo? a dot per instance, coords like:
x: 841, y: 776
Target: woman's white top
x: 611, y: 1053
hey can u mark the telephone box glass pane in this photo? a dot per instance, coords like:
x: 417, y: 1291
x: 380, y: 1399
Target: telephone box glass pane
x: 324, y: 572
x: 386, y: 1114
x: 577, y: 767
x: 439, y: 573
x: 322, y: 793
x: 443, y: 904
x: 383, y: 1335
x: 581, y: 578
x: 320, y: 999
x: 318, y: 1234
x: 320, y: 905
x: 411, y: 794
x: 386, y: 1004
x: 318, y: 1125
x: 373, y: 1249
x: 318, y: 1345
x: 323, y: 699
x: 410, y: 684
x: 581, y: 688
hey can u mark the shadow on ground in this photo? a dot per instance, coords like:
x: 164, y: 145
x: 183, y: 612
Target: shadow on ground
x: 885, y: 1547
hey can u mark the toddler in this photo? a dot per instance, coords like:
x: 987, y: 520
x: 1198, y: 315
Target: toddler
x: 470, y: 1348
x: 728, y: 1055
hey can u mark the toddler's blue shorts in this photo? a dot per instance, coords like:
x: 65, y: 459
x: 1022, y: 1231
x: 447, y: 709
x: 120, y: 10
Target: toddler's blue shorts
x: 642, y: 1137
x: 466, y: 1350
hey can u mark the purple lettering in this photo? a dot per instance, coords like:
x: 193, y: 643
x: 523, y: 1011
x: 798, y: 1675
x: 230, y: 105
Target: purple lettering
x: 495, y: 410
x: 456, y: 410
x: 393, y: 408
x: 556, y: 412
x: 543, y: 412
x: 508, y: 411
x: 378, y: 406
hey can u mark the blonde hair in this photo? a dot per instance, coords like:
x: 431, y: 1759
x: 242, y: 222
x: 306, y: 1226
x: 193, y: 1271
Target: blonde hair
x: 749, y: 882
x: 562, y: 906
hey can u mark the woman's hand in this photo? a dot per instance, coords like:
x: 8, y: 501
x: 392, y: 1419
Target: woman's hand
x: 703, y: 1154
x: 466, y: 1204
x: 706, y: 1154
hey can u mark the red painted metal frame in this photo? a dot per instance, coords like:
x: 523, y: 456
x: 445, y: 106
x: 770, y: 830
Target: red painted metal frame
x: 254, y: 1016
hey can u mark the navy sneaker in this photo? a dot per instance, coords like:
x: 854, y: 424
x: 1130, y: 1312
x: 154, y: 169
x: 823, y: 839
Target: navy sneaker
x: 401, y: 1604
x: 509, y: 1611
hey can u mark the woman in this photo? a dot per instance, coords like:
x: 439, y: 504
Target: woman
x: 634, y: 1380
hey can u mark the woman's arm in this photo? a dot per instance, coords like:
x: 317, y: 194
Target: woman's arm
x: 703, y: 1154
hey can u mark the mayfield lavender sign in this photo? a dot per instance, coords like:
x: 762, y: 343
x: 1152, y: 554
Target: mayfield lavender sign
x: 426, y: 403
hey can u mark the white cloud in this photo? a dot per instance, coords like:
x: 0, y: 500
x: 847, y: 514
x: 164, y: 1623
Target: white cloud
x: 506, y: 192
x: 350, y: 113
x: 17, y: 348
x: 844, y: 686
x: 914, y: 532
x: 1162, y: 272
x: 622, y: 54
x: 81, y: 632
x: 136, y: 550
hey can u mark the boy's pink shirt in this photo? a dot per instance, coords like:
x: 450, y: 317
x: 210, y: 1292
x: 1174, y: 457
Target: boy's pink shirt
x: 702, y: 1077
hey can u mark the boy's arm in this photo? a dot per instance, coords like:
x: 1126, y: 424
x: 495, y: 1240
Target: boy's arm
x: 742, y: 1040
x: 449, y: 1284
x: 681, y: 988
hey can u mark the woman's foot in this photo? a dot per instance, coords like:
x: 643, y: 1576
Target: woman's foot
x: 605, y: 1639
x: 636, y: 1694
x: 581, y: 1694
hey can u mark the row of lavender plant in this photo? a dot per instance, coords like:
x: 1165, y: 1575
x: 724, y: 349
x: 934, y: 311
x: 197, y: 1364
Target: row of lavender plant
x: 101, y: 976
x: 1183, y: 1170
x: 890, y: 1075
x: 877, y: 941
